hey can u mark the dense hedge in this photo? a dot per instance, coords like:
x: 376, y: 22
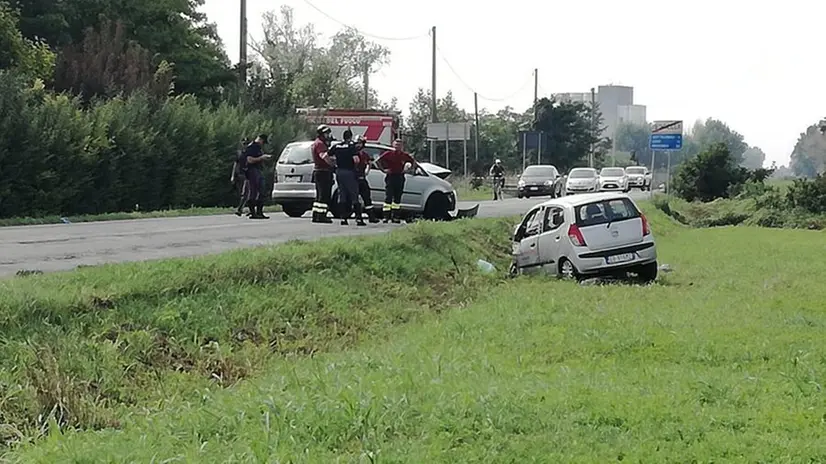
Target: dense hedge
x: 57, y: 157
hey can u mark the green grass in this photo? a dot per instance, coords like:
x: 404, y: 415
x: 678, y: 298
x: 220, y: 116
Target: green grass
x: 722, y: 361
x: 87, y: 348
x: 30, y: 221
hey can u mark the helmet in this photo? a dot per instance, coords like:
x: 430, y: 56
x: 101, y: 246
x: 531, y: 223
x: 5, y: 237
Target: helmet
x: 323, y: 129
x: 360, y: 139
x: 498, y: 161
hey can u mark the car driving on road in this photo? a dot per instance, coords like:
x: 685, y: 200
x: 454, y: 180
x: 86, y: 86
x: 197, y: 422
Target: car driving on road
x: 539, y: 180
x: 613, y: 179
x: 585, y: 235
x: 582, y: 180
x: 638, y: 177
x: 425, y: 193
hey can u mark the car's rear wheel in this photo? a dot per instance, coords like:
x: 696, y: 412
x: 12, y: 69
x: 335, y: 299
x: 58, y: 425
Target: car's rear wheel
x: 437, y: 207
x: 647, y: 273
x: 294, y: 211
x: 567, y: 270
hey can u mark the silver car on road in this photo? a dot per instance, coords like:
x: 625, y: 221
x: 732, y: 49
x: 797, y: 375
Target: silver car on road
x: 585, y: 235
x: 425, y: 194
x: 582, y: 180
x: 613, y: 179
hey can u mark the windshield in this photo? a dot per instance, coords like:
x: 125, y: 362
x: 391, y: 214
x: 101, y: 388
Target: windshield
x: 612, y: 172
x: 633, y: 170
x: 296, y: 153
x: 539, y: 171
x: 582, y: 174
x: 603, y: 212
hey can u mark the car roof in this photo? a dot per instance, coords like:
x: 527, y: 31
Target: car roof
x: 583, y: 198
x: 583, y: 169
x: 540, y: 166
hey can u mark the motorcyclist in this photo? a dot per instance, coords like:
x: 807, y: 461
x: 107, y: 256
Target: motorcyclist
x: 497, y: 171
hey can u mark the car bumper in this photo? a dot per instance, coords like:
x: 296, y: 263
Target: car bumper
x: 536, y: 189
x: 588, y: 264
x: 610, y: 187
x: 293, y: 193
x: 572, y: 189
x: 636, y: 182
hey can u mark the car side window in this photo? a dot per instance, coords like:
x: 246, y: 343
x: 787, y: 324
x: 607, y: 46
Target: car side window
x: 534, y: 224
x: 526, y: 222
x: 554, y: 218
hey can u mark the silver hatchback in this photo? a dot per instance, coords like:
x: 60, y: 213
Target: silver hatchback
x: 585, y: 235
x: 425, y: 193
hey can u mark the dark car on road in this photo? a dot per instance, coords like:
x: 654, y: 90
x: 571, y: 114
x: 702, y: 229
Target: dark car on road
x: 539, y: 180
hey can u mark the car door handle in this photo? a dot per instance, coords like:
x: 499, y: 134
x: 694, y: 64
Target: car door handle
x: 533, y: 245
x: 557, y: 239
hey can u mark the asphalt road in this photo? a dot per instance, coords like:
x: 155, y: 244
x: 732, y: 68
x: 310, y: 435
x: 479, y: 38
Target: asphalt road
x: 59, y: 247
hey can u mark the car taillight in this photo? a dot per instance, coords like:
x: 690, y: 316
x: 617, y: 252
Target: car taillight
x: 576, y: 235
x: 646, y: 230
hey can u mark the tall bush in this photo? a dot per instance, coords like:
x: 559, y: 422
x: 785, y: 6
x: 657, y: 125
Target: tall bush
x: 58, y: 156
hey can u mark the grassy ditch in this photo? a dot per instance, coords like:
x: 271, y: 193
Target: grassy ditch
x: 720, y: 362
x: 85, y: 349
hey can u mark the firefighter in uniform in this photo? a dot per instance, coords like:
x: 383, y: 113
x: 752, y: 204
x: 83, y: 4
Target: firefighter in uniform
x: 362, y: 169
x: 322, y: 174
x: 393, y: 162
x: 346, y: 155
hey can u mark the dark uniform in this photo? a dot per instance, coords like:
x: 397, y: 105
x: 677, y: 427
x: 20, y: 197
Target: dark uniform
x: 393, y: 162
x: 498, y: 173
x: 255, y: 179
x: 364, y: 186
x: 239, y: 178
x: 347, y: 156
x: 322, y: 177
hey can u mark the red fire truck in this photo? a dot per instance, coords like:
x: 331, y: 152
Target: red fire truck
x: 375, y: 125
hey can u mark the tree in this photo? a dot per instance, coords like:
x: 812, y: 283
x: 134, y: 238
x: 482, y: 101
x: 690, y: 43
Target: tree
x: 634, y: 138
x: 714, y: 131
x: 171, y: 30
x: 709, y: 175
x: 318, y: 76
x: 107, y: 64
x: 31, y: 58
x: 569, y: 132
x: 808, y: 157
x: 753, y: 158
x: 415, y: 127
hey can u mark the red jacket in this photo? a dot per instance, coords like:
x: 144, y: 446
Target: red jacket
x: 393, y: 161
x: 319, y: 148
x: 364, y: 161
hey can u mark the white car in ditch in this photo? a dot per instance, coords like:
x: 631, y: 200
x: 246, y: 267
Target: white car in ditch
x: 585, y: 235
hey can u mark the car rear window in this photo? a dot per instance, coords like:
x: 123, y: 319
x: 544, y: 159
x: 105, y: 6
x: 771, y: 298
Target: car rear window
x: 605, y: 211
x: 296, y: 154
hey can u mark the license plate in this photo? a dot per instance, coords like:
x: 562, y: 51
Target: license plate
x: 293, y: 178
x: 620, y: 258
x: 534, y: 188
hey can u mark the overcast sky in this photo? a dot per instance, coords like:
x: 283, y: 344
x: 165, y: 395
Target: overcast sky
x: 758, y: 66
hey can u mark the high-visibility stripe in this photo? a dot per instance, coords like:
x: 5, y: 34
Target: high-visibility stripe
x: 386, y: 207
x: 395, y: 206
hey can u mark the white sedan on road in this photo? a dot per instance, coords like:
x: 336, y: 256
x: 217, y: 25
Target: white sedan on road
x: 613, y: 179
x: 585, y: 235
x: 582, y: 180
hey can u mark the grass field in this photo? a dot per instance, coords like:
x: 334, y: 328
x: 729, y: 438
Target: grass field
x: 722, y: 361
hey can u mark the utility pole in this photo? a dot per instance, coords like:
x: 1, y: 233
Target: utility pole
x: 476, y: 117
x: 593, y: 124
x: 366, y: 80
x: 433, y: 117
x: 535, y: 92
x: 242, y: 52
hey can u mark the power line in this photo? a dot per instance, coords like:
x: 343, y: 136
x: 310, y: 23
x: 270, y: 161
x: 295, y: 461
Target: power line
x: 365, y: 34
x: 469, y: 87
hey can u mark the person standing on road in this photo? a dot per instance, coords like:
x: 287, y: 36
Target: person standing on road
x: 393, y: 162
x: 497, y: 171
x: 347, y: 159
x: 362, y: 169
x: 239, y: 178
x: 255, y: 157
x: 322, y: 174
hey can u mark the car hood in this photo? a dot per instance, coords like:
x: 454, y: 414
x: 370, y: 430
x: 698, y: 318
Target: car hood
x: 536, y: 179
x: 582, y: 180
x: 436, y: 170
x: 611, y: 178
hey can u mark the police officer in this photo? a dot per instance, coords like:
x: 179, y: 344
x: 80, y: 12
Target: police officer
x: 362, y: 169
x: 393, y: 162
x: 322, y: 174
x: 239, y: 178
x: 255, y: 157
x: 346, y: 156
